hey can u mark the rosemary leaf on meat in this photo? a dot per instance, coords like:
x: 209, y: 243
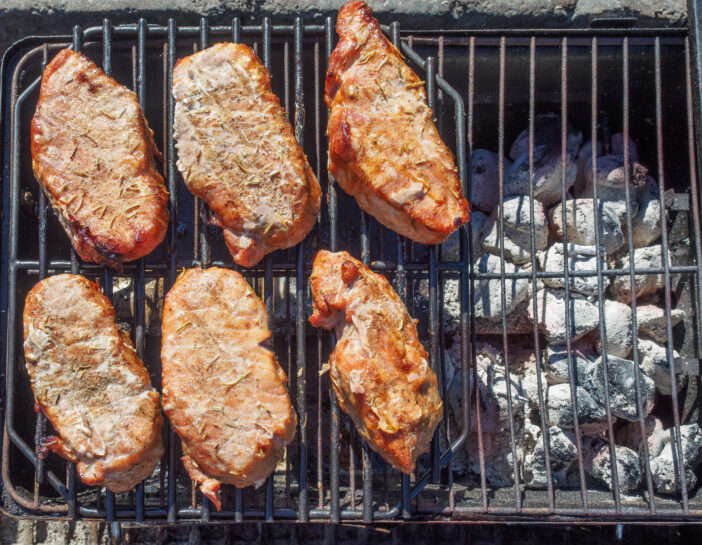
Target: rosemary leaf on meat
x: 107, y: 115
x: 363, y: 59
x: 238, y: 163
x: 86, y: 134
x: 213, y: 360
x: 455, y: 193
x: 382, y: 92
x: 282, y: 221
x: 383, y: 62
x: 416, y: 84
x: 237, y: 380
x: 80, y: 205
x: 363, y: 40
x: 182, y: 327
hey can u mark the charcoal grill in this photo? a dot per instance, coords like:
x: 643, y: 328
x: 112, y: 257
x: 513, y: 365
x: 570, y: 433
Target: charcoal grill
x: 485, y: 86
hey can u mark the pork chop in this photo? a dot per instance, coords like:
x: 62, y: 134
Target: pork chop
x: 94, y: 156
x: 378, y: 369
x: 90, y: 383
x: 384, y: 148
x: 224, y: 393
x: 237, y: 152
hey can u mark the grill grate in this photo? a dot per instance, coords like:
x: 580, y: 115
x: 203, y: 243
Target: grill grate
x: 328, y: 472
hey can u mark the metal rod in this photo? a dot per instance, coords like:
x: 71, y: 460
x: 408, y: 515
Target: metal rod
x: 600, y: 305
x: 40, y: 427
x: 333, y: 403
x: 433, y: 288
x: 268, y: 269
x: 173, y: 246
x: 503, y: 296
x: 468, y: 329
x: 666, y: 274
x: 303, y: 506
x: 545, y: 437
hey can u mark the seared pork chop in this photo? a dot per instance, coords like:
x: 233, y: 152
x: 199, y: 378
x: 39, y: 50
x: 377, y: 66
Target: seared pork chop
x: 378, y: 369
x: 90, y: 383
x: 94, y: 155
x: 384, y: 148
x: 224, y: 393
x: 237, y: 152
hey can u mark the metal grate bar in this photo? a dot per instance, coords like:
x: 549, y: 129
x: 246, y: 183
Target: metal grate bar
x: 666, y: 275
x: 545, y: 435
x: 637, y: 370
x: 318, y: 171
x: 503, y: 295
x: 333, y: 246
x: 303, y: 506
x: 140, y: 300
x: 433, y: 290
x: 417, y: 270
x: 268, y: 266
x: 600, y: 303
x: 471, y: 265
x: 41, y: 420
x: 172, y: 238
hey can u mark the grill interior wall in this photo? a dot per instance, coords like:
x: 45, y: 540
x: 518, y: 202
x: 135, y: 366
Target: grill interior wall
x: 338, y: 480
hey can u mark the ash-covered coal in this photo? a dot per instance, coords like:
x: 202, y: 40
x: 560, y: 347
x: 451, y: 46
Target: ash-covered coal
x: 595, y: 347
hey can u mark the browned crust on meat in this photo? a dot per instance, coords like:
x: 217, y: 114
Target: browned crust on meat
x: 384, y: 148
x: 93, y: 202
x: 378, y: 369
x: 77, y: 361
x: 259, y: 211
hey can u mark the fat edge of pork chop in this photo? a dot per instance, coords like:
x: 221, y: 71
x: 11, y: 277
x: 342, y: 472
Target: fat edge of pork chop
x: 224, y: 393
x: 89, y: 382
x: 384, y: 148
x: 237, y: 151
x: 95, y: 158
x: 378, y: 369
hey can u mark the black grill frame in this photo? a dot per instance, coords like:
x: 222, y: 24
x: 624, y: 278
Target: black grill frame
x: 403, y: 270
